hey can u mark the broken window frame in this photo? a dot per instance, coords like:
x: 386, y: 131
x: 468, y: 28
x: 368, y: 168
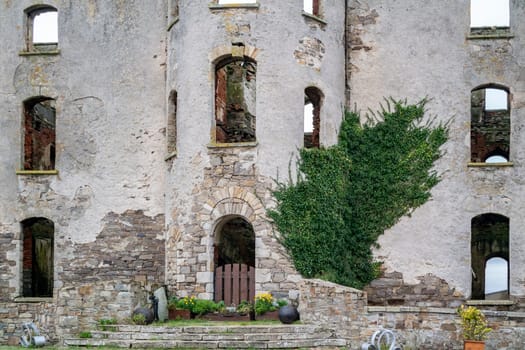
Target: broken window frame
x: 484, y: 234
x: 220, y: 133
x: 46, y: 150
x: 33, y: 284
x: 478, y: 153
x: 314, y: 96
x: 31, y: 47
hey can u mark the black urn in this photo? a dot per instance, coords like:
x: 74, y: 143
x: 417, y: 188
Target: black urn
x: 147, y: 313
x: 288, y: 314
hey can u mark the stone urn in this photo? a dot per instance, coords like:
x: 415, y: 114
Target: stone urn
x: 288, y: 314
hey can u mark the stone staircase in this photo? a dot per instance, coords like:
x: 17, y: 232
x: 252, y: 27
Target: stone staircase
x: 213, y: 337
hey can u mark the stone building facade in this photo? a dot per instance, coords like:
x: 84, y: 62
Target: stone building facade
x: 141, y: 147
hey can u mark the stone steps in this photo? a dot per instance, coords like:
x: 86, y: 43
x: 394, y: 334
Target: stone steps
x: 213, y: 337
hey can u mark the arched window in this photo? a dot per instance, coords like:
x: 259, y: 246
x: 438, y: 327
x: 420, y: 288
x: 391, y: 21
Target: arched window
x: 489, y: 13
x: 37, y: 257
x: 235, y: 100
x: 172, y: 124
x: 39, y: 133
x: 313, y: 98
x: 41, y: 28
x: 496, y: 279
x: 489, y: 239
x: 490, y: 124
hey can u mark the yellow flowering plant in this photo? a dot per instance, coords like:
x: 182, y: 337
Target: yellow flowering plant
x: 186, y: 303
x: 264, y: 303
x: 473, y: 323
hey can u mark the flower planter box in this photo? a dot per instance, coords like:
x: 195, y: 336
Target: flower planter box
x: 270, y: 315
x: 473, y: 345
x: 179, y: 314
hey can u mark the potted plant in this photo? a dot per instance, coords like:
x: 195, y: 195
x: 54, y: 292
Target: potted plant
x: 474, y: 327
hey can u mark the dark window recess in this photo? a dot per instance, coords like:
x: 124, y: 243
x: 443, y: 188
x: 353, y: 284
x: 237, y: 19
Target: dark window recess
x: 312, y: 7
x: 490, y: 124
x: 37, y: 264
x: 489, y: 239
x: 312, y: 116
x: 174, y: 8
x: 172, y: 123
x: 235, y: 99
x: 39, y: 134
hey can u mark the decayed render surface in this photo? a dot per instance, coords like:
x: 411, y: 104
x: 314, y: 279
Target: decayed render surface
x: 131, y: 213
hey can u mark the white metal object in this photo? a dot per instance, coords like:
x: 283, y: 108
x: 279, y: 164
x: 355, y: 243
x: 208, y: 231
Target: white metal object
x: 382, y: 337
x: 31, y: 335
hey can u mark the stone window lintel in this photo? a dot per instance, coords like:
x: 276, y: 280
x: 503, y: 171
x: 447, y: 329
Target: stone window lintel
x: 314, y: 17
x: 39, y: 53
x: 490, y: 165
x: 215, y: 6
x: 232, y: 144
x: 171, y: 155
x: 489, y: 33
x: 173, y: 22
x: 37, y: 172
x: 33, y: 300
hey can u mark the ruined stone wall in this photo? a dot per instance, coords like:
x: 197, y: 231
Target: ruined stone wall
x: 211, y: 180
x: 106, y: 196
x: 408, y: 49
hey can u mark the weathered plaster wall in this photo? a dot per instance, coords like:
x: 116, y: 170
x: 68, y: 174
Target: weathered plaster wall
x: 409, y: 49
x: 206, y: 182
x: 106, y: 201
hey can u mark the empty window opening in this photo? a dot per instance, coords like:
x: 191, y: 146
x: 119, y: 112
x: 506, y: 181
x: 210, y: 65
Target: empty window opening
x: 312, y: 116
x: 489, y: 13
x: 37, y: 257
x: 234, y: 259
x: 489, y: 239
x: 174, y: 8
x: 42, y: 28
x: 311, y: 7
x: 39, y: 134
x: 496, y: 279
x: 490, y: 125
x: 172, y: 123
x: 235, y: 98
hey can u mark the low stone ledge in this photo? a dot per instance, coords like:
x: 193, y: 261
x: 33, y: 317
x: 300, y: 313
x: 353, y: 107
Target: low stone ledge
x: 243, y: 345
x: 411, y: 309
x: 220, y: 337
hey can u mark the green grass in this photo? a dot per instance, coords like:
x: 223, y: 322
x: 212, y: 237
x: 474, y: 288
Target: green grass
x: 197, y: 322
x: 53, y: 347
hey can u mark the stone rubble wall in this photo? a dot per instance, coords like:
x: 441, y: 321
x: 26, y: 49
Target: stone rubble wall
x: 231, y: 187
x: 13, y: 315
x: 344, y: 310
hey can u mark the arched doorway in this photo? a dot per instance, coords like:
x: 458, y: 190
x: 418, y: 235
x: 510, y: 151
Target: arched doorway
x: 234, y: 260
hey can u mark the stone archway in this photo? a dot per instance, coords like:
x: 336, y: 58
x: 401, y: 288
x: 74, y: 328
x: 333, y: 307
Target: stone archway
x: 234, y: 260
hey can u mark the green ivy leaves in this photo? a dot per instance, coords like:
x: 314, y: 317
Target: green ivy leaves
x: 350, y: 193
